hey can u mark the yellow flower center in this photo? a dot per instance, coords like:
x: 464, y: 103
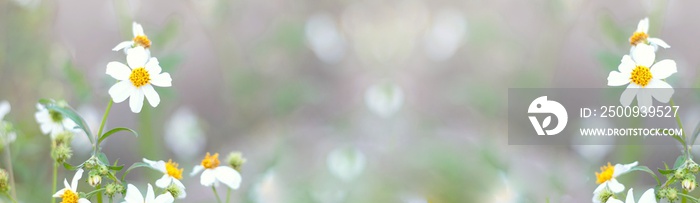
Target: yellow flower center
x: 69, y: 197
x: 641, y: 75
x: 172, y: 169
x: 638, y: 37
x: 139, y: 77
x: 210, y: 162
x: 606, y: 173
x: 142, y: 40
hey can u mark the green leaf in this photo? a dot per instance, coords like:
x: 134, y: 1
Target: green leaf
x: 115, y: 130
x: 67, y: 111
x: 667, y: 171
x: 680, y: 139
x: 679, y: 161
x: 646, y: 169
x: 103, y: 158
x: 70, y: 167
x: 133, y: 166
x: 115, y: 168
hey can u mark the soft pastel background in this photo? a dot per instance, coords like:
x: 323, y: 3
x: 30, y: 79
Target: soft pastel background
x: 336, y: 101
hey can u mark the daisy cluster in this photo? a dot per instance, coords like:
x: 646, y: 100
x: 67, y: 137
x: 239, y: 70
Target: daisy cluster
x: 645, y: 79
x: 136, y: 80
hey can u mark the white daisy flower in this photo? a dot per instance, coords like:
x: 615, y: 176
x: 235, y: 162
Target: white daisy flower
x: 140, y: 40
x: 52, y: 122
x: 640, y: 36
x: 607, y: 179
x: 133, y: 195
x: 184, y: 134
x: 69, y: 194
x: 171, y: 175
x: 647, y: 197
x: 137, y: 79
x: 213, y: 173
x: 645, y: 79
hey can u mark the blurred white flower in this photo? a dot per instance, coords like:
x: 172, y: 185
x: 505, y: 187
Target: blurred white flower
x: 137, y: 79
x: 184, y: 135
x: 640, y: 36
x: 324, y: 38
x: 346, y: 163
x: 140, y: 40
x: 645, y: 79
x: 52, y: 122
x: 268, y: 189
x: 587, y: 147
x: 328, y: 192
x: 607, y: 178
x: 171, y: 175
x: 69, y: 194
x: 445, y: 34
x: 214, y: 173
x: 647, y: 197
x: 7, y: 134
x: 133, y: 195
x: 384, y: 100
x: 503, y: 192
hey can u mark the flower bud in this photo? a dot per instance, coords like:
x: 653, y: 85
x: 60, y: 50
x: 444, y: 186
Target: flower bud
x: 605, y: 194
x: 90, y: 163
x: 694, y: 167
x: 4, y: 181
x: 113, y: 188
x: 175, y: 191
x: 688, y: 183
x: 94, y: 178
x: 236, y: 160
x: 680, y: 173
x: 102, y: 170
x: 672, y: 194
x: 61, y: 153
x: 64, y: 138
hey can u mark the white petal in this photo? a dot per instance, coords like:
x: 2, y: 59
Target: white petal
x: 196, y: 170
x: 164, y: 181
x: 613, y: 200
x: 83, y: 200
x: 643, y: 25
x: 663, y: 69
x: 630, y: 196
x: 208, y: 178
x: 157, y: 165
x: 162, y: 80
x: 648, y: 196
x: 4, y: 109
x: 228, y: 176
x: 179, y: 184
x: 660, y: 90
x: 658, y: 42
x: 151, y: 95
x: 136, y: 101
x: 629, y: 94
x: 76, y: 177
x: 644, y: 98
x: 599, y: 189
x: 644, y: 55
x: 133, y: 195
x: 123, y: 45
x: 623, y: 168
x: 118, y: 70
x: 165, y: 198
x: 137, y: 29
x: 121, y: 91
x: 149, y: 194
x: 153, y: 66
x: 136, y: 57
x: 616, y: 78
x: 59, y: 194
x: 66, y: 184
x: 615, y: 187
x: 626, y: 65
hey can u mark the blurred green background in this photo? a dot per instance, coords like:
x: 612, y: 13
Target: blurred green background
x: 336, y: 101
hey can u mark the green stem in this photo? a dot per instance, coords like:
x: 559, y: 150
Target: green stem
x: 684, y: 137
x: 8, y: 156
x: 99, y: 194
x: 11, y: 198
x: 684, y: 200
x: 228, y: 194
x: 55, y: 172
x: 102, y: 125
x: 216, y: 194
